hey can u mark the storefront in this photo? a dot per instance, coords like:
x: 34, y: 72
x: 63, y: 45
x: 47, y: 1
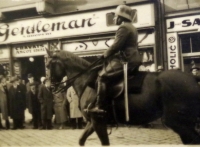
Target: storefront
x: 29, y: 58
x: 183, y: 42
x: 86, y: 34
x: 101, y: 24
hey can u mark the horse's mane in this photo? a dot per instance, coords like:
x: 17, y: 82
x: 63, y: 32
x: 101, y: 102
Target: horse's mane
x: 66, y: 55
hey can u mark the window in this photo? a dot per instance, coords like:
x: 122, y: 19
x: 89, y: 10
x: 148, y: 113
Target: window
x: 189, y: 62
x: 147, y: 56
x: 110, y: 16
x: 190, y: 43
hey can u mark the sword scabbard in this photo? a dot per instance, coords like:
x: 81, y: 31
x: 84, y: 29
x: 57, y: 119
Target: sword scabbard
x: 125, y: 67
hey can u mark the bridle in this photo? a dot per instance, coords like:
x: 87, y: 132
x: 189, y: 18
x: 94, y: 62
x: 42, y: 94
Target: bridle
x: 71, y: 80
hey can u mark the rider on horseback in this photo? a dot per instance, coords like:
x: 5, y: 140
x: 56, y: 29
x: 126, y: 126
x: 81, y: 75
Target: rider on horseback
x: 124, y: 48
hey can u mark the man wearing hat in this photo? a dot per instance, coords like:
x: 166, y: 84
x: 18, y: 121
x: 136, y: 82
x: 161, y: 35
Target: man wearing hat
x: 34, y: 105
x: 17, y: 103
x: 31, y: 80
x: 123, y: 49
x: 45, y: 97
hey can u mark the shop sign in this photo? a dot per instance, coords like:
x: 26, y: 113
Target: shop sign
x: 100, y: 44
x: 172, y: 50
x: 183, y: 23
x: 4, y: 52
x: 69, y: 25
x: 27, y: 50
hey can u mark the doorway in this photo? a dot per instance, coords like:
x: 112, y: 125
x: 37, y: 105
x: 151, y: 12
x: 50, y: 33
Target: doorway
x: 34, y: 65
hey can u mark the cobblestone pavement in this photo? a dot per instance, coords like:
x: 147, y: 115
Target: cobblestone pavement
x: 133, y: 135
x: 120, y: 136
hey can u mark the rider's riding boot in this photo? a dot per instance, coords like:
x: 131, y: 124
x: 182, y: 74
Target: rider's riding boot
x: 100, y: 98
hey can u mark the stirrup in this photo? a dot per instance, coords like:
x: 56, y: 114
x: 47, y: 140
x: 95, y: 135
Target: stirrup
x: 96, y: 110
x: 87, y: 109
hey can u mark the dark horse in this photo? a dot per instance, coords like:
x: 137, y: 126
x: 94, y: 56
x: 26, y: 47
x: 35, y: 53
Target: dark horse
x: 172, y: 95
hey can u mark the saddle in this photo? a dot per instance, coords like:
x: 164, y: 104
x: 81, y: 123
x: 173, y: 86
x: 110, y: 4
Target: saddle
x: 115, y: 85
x: 135, y: 82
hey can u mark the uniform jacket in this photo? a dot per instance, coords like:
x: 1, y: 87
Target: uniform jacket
x: 17, y: 102
x: 126, y: 41
x: 73, y: 100
x: 45, y: 97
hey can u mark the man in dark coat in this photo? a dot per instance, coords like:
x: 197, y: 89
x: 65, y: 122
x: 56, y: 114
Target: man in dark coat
x: 30, y: 81
x: 17, y: 103
x: 124, y: 48
x: 46, y: 100
x: 34, y: 106
x: 23, y: 87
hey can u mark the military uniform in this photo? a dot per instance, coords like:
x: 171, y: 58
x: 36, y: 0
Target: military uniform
x: 124, y: 48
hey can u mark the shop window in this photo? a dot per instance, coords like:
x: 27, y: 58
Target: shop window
x: 189, y: 62
x: 147, y: 56
x: 190, y: 43
x: 110, y: 16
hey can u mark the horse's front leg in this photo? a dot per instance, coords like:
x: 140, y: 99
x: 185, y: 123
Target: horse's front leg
x: 87, y: 132
x: 100, y: 127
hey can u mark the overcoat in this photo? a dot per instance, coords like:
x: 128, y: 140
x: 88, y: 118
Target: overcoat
x: 27, y: 89
x: 4, y: 103
x: 60, y: 107
x: 17, y: 102
x: 45, y: 97
x: 124, y: 48
x: 33, y: 103
x: 73, y: 100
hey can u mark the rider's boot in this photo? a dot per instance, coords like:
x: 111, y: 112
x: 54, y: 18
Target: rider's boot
x: 100, y: 98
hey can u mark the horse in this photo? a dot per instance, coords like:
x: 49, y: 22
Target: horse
x: 171, y: 95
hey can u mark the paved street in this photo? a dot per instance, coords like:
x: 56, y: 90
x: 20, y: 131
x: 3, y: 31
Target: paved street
x: 133, y: 135
x: 121, y: 136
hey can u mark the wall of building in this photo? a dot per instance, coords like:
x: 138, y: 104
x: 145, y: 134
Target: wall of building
x: 182, y: 34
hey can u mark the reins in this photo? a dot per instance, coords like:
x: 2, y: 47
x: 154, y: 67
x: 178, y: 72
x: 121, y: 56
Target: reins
x: 71, y: 80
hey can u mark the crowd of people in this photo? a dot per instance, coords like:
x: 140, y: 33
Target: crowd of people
x: 42, y: 104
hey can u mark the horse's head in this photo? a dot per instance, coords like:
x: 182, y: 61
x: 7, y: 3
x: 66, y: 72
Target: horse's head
x: 56, y: 66
x: 64, y: 63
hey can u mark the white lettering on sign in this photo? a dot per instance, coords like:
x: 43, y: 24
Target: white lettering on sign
x: 69, y: 25
x: 23, y: 50
x: 183, y: 23
x: 172, y: 50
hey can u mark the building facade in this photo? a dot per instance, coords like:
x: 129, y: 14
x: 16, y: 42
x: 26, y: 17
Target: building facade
x: 182, y: 33
x: 83, y: 27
